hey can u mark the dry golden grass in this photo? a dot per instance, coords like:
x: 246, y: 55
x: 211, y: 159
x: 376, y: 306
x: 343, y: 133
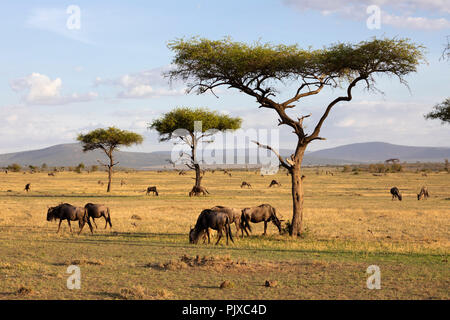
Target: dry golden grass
x: 350, y: 223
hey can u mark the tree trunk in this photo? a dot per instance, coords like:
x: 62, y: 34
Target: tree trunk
x: 110, y: 167
x: 198, y: 177
x: 297, y: 193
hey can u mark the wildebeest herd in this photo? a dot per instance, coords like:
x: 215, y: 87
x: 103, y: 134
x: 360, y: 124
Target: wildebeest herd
x: 220, y: 218
x: 65, y: 211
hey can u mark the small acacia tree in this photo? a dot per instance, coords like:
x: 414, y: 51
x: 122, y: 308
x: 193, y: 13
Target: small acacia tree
x: 184, y: 118
x: 108, y: 140
x: 259, y: 69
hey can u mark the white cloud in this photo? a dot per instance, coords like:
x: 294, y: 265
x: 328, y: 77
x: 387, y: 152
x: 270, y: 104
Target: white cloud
x: 400, y: 14
x: 39, y: 89
x: 144, y: 84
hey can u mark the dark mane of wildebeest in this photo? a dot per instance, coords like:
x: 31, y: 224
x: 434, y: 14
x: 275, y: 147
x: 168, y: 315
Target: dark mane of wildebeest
x: 215, y: 220
x: 423, y: 193
x: 262, y: 213
x: 234, y: 215
x: 66, y: 211
x: 97, y: 211
x: 396, y: 193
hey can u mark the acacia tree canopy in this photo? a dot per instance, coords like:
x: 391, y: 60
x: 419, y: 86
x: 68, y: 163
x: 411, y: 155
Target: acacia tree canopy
x: 108, y: 139
x: 440, y: 111
x: 184, y: 118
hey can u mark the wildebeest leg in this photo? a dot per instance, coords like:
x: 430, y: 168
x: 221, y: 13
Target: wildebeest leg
x: 106, y: 221
x: 265, y: 228
x: 81, y: 225
x: 59, y: 226
x: 90, y: 225
x: 70, y: 226
x: 219, y: 235
x: 207, y: 233
x: 93, y: 219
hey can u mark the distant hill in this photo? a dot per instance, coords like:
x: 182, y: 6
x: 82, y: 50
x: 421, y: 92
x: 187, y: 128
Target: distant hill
x: 380, y: 151
x: 72, y: 154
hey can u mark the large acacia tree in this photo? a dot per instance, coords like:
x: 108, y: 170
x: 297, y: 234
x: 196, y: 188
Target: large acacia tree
x: 259, y: 70
x: 169, y: 125
x: 108, y: 140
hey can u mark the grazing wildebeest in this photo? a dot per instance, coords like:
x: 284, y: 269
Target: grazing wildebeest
x: 98, y: 211
x: 396, y: 193
x: 273, y: 183
x: 197, y: 190
x: 66, y: 211
x: 51, y: 174
x: 152, y: 189
x: 263, y: 212
x: 423, y: 193
x: 27, y: 187
x: 234, y: 215
x: 246, y: 184
x: 215, y: 220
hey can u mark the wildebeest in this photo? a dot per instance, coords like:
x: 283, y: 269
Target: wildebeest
x: 263, y: 212
x: 51, y: 174
x: 396, y: 193
x: 423, y: 193
x: 98, y: 211
x: 215, y: 220
x: 66, y: 211
x: 152, y: 189
x: 234, y: 215
x: 122, y: 182
x: 27, y: 187
x: 246, y: 184
x: 273, y: 183
x: 196, y: 190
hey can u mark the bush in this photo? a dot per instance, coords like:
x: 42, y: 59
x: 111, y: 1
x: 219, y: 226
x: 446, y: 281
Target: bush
x: 396, y: 167
x: 94, y: 168
x: 15, y: 167
x: 377, y: 168
x: 346, y: 168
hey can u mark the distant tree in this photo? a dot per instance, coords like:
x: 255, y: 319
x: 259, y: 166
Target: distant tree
x: 94, y: 168
x: 440, y: 111
x: 44, y: 166
x: 108, y: 140
x: 80, y: 167
x: 185, y: 118
x: 15, y: 167
x: 259, y: 70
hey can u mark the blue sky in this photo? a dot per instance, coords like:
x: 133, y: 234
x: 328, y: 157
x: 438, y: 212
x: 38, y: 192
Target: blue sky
x: 56, y: 82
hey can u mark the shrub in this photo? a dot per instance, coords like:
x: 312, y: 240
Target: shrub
x: 346, y: 168
x: 15, y: 167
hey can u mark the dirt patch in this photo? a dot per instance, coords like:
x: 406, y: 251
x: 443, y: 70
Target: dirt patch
x: 217, y: 263
x: 23, y: 291
x: 140, y: 293
x: 81, y: 262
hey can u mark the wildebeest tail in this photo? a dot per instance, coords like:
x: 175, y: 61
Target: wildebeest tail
x: 229, y: 228
x: 109, y: 217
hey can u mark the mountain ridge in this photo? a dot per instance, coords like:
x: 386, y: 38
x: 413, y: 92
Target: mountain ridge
x: 71, y: 154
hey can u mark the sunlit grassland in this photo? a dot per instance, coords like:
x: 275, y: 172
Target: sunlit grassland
x: 350, y: 223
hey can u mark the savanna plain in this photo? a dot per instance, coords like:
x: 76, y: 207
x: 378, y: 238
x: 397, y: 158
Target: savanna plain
x: 350, y: 223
